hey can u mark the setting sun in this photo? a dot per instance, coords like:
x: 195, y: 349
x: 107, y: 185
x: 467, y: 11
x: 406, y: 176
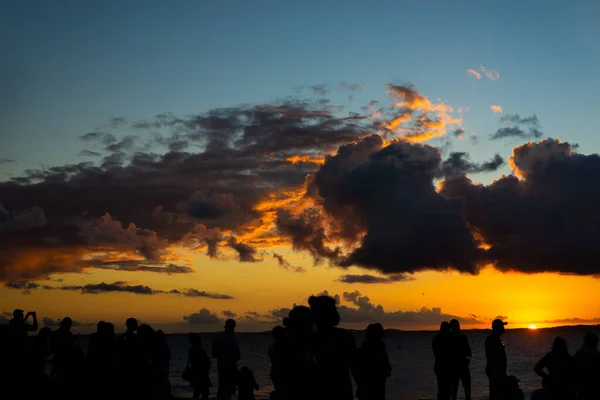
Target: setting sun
x: 532, y: 327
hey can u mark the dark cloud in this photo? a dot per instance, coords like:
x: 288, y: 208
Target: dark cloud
x: 545, y: 222
x: 502, y: 317
x: 458, y: 133
x: 135, y: 202
x: 391, y: 197
x: 88, y: 153
x: 516, y: 132
x: 6, y: 160
x: 202, y: 293
x: 99, y: 137
x: 367, y: 312
x: 573, y: 321
x: 517, y: 119
x: 518, y: 129
x: 229, y: 314
x: 365, y: 278
x: 23, y: 220
x: 118, y: 286
x: 137, y: 265
x: 458, y: 163
x: 321, y: 90
x: 285, y: 264
x: 245, y: 252
x: 202, y: 317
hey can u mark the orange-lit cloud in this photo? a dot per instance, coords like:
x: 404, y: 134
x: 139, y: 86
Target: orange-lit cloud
x: 491, y: 75
x: 497, y: 109
x: 474, y: 73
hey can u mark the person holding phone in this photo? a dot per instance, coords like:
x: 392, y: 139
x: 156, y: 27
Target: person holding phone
x: 19, y: 328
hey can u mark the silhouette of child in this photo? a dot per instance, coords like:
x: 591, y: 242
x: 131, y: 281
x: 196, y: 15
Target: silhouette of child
x: 246, y: 384
x: 372, y: 366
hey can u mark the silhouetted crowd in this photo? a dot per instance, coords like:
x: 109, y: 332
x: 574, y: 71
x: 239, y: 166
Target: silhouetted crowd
x: 311, y: 358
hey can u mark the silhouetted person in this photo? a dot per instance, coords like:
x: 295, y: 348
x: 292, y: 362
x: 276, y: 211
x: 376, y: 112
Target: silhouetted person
x: 148, y: 377
x: 19, y: 328
x: 587, y: 363
x: 513, y: 391
x: 199, y: 364
x: 277, y: 358
x: 334, y: 351
x: 298, y: 381
x: 101, y: 360
x: 495, y: 354
x: 246, y: 384
x: 542, y: 394
x: 561, y: 371
x: 161, y: 363
x: 460, y: 352
x: 68, y: 360
x: 443, y: 363
x: 372, y: 366
x: 40, y: 351
x: 226, y: 350
x: 129, y: 359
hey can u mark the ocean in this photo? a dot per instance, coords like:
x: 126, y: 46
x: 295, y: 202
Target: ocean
x: 410, y: 355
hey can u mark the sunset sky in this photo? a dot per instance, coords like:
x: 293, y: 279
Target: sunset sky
x: 184, y: 162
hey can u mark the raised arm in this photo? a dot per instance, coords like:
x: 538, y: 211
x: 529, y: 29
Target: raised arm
x: 33, y: 327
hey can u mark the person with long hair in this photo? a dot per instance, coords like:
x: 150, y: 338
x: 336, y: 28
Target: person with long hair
x: 561, y: 371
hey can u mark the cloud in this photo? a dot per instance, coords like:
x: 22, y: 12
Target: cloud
x: 415, y: 117
x: 491, y: 75
x: 101, y: 137
x: 517, y: 130
x: 458, y: 163
x: 543, y: 219
x: 245, y: 252
x: 497, y: 109
x: 6, y: 160
x: 458, y: 133
x: 362, y: 311
x: 285, y: 264
x: 118, y: 286
x: 321, y: 90
x: 202, y: 293
x: 202, y: 317
x: 474, y: 73
x: 368, y: 279
x: 387, y: 199
x: 229, y: 314
x: 88, y: 153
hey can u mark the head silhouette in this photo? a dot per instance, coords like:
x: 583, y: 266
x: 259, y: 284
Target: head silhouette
x: 445, y: 327
x: 590, y: 340
x: 455, y: 326
x: 230, y: 326
x: 278, y: 333
x: 131, y: 324
x: 559, y: 347
x: 299, y: 322
x: 66, y: 324
x: 498, y: 326
x: 374, y: 332
x: 101, y: 327
x: 44, y: 333
x: 195, y: 339
x: 324, y: 311
x: 18, y: 315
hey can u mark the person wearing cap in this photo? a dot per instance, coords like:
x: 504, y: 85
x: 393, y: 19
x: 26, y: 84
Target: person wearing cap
x: 495, y: 355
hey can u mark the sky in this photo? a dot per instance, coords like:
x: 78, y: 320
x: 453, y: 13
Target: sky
x: 185, y: 162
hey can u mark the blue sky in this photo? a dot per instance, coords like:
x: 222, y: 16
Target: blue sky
x: 68, y: 67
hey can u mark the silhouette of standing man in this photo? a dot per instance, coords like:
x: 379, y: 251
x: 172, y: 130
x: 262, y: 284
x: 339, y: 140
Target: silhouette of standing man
x: 226, y: 350
x: 461, y: 358
x: 495, y: 355
x: 441, y: 352
x: 334, y: 351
